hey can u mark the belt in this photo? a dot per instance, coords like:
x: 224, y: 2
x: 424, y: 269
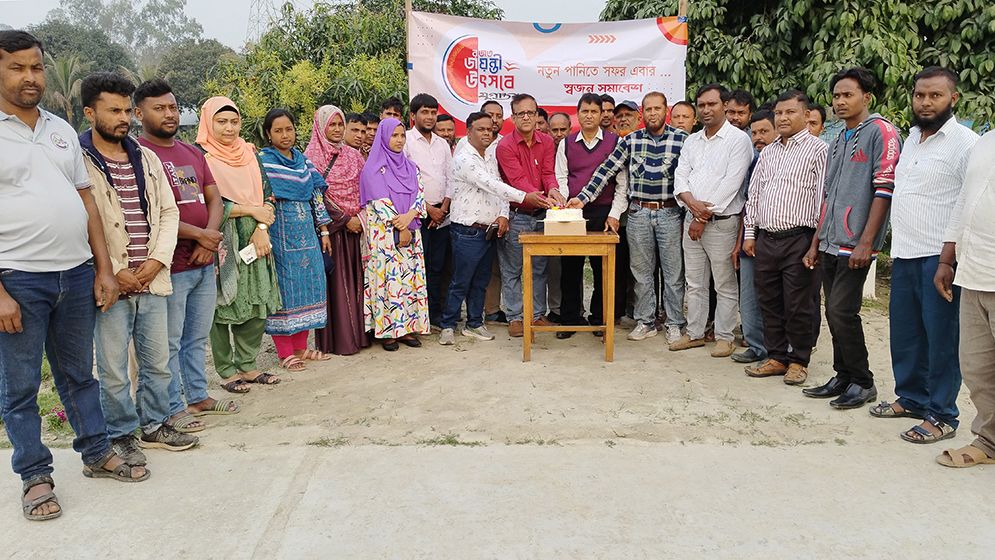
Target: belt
x: 481, y: 227
x: 786, y: 233
x: 655, y: 205
x: 533, y: 213
x: 716, y: 218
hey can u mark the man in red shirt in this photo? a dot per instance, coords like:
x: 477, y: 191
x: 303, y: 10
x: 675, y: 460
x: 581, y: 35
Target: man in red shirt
x: 526, y: 160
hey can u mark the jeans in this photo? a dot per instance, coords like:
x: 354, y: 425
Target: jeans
x: 844, y: 289
x: 142, y: 318
x: 473, y: 255
x: 191, y: 312
x: 57, y: 315
x: 511, y: 269
x: 749, y: 309
x: 710, y: 257
x: 650, y: 231
x: 436, y: 244
x: 924, y: 340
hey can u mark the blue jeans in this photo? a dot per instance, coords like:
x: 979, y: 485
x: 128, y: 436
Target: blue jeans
x: 510, y: 251
x: 650, y: 231
x: 142, y: 318
x: 924, y: 341
x: 57, y: 314
x: 472, y: 258
x: 191, y: 314
x: 749, y: 309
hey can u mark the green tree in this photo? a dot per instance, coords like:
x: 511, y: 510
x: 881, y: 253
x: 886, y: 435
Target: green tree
x: 187, y: 65
x: 64, y: 74
x: 92, y: 45
x: 766, y: 46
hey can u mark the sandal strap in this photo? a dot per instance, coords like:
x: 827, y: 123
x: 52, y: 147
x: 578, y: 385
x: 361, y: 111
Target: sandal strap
x: 224, y: 405
x: 185, y: 420
x: 291, y: 360
x: 37, y: 481
x: 926, y: 434
x: 40, y: 500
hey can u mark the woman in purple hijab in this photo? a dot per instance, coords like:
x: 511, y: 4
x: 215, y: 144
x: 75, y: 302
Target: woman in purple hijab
x: 394, y: 202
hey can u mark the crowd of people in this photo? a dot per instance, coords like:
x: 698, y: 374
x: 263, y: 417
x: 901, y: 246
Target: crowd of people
x: 735, y: 222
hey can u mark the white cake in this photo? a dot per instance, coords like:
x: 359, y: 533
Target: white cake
x: 564, y: 215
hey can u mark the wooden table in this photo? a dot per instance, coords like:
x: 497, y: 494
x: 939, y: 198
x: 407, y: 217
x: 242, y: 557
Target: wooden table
x: 594, y: 244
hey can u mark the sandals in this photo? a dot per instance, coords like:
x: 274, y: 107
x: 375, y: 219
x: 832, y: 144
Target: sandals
x: 47, y: 498
x: 238, y: 386
x: 293, y: 363
x: 884, y: 409
x: 315, y: 356
x: 918, y: 434
x: 122, y: 473
x: 221, y: 407
x: 955, y: 458
x: 184, y: 422
x: 265, y: 379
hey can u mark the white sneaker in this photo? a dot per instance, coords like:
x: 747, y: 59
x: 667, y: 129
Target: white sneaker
x: 642, y: 331
x: 447, y: 337
x: 673, y: 334
x: 480, y: 333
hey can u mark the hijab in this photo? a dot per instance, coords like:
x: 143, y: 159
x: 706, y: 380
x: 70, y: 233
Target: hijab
x: 342, y: 179
x: 389, y: 174
x: 234, y: 167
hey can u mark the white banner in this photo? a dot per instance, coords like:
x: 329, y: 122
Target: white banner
x: 464, y: 62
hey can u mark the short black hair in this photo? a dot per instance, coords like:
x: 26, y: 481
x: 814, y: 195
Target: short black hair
x: 371, y: 118
x: 741, y: 97
x: 519, y: 97
x: 474, y: 117
x: 937, y: 72
x: 423, y: 100
x: 274, y: 114
x: 104, y: 82
x: 591, y: 98
x: 151, y: 88
x: 864, y: 78
x: 605, y: 98
x: 443, y: 118
x: 491, y: 102
x: 723, y: 92
x: 813, y: 106
x: 793, y: 94
x: 355, y: 118
x: 762, y: 116
x: 686, y: 104
x: 392, y: 103
x: 543, y: 113
x: 15, y: 40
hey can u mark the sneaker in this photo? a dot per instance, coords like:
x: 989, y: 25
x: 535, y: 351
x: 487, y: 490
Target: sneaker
x: 686, y: 343
x: 516, y: 329
x: 127, y: 448
x: 498, y: 317
x: 166, y: 437
x: 480, y: 333
x: 642, y: 332
x: 673, y: 334
x: 723, y: 349
x: 447, y: 337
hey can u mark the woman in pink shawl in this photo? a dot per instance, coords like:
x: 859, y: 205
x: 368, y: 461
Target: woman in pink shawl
x: 340, y: 165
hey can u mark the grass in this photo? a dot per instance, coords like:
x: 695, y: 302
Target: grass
x: 329, y: 442
x: 449, y: 439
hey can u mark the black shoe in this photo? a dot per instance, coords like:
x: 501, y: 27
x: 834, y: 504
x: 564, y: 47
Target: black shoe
x: 498, y: 317
x: 554, y: 317
x: 598, y: 334
x: 390, y: 346
x: 747, y: 356
x: 855, y: 396
x: 833, y: 388
x: 563, y: 335
x: 410, y: 340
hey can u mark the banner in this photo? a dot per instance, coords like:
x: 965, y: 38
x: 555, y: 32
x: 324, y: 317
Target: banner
x: 464, y: 62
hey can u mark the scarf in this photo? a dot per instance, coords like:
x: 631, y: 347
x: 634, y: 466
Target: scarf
x: 389, y: 174
x: 234, y: 166
x: 290, y: 179
x: 343, y: 178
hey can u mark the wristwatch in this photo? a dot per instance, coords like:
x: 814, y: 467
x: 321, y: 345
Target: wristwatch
x: 262, y: 226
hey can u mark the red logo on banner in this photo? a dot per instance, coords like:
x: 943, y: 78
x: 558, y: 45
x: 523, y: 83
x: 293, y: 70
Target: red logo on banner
x: 460, y: 62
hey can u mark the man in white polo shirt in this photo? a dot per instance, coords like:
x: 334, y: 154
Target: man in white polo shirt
x: 53, y: 268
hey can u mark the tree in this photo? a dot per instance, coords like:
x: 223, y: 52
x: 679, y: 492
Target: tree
x: 187, y: 65
x: 767, y: 46
x: 91, y: 45
x: 62, y: 90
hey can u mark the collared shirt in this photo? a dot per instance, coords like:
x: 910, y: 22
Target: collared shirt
x: 713, y: 169
x: 786, y: 190
x: 43, y: 223
x: 972, y: 226
x: 650, y: 162
x: 928, y: 179
x: 464, y: 143
x: 619, y: 202
x: 528, y: 168
x: 479, y: 194
x: 433, y: 158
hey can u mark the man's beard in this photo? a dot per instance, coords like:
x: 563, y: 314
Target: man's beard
x: 162, y: 133
x: 110, y: 135
x: 935, y: 123
x: 423, y: 130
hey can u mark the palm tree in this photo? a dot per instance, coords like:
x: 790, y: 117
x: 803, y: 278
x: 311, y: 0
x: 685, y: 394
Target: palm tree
x: 146, y: 71
x: 65, y: 74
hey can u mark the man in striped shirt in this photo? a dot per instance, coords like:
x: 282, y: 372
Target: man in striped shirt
x: 782, y: 213
x: 924, y: 335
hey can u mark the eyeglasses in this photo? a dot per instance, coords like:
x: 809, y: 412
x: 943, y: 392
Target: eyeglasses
x: 526, y: 114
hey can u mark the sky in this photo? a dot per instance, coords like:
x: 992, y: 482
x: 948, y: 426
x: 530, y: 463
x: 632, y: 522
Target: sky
x: 228, y: 20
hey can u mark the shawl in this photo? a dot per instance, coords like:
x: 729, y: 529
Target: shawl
x: 290, y: 179
x: 342, y: 179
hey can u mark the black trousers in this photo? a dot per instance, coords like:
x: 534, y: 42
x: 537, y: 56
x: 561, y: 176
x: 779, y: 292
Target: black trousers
x: 437, y: 253
x: 572, y: 279
x: 786, y: 291
x: 844, y: 289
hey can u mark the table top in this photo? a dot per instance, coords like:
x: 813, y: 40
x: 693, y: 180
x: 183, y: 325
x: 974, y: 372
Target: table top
x: 592, y: 238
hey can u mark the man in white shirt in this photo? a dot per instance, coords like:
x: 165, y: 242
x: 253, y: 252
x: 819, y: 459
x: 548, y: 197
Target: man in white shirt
x: 432, y: 155
x: 928, y: 180
x: 479, y: 216
x: 708, y: 182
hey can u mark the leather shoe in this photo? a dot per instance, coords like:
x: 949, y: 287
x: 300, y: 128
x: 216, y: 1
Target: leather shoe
x: 833, y: 388
x: 410, y: 341
x: 855, y: 396
x: 563, y: 335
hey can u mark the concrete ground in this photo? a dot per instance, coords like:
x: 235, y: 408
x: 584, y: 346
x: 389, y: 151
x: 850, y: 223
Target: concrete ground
x: 466, y: 452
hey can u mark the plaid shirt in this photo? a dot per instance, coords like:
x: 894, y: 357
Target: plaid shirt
x: 651, y: 164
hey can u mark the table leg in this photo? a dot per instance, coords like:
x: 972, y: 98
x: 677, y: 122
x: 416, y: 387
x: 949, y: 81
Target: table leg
x: 527, y: 308
x: 608, y: 287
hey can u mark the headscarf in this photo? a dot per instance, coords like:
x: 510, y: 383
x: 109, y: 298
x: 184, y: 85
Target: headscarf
x: 389, y: 174
x: 343, y: 177
x: 234, y: 167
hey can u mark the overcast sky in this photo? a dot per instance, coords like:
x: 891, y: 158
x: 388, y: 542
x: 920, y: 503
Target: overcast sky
x: 227, y: 20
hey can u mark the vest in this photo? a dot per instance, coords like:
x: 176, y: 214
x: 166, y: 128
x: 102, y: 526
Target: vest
x: 582, y: 163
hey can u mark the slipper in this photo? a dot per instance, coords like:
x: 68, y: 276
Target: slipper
x: 265, y: 379
x: 293, y: 363
x: 238, y: 386
x: 954, y: 458
x: 315, y: 356
x: 182, y: 424
x: 884, y: 410
x: 410, y: 341
x: 46, y: 498
x: 221, y: 407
